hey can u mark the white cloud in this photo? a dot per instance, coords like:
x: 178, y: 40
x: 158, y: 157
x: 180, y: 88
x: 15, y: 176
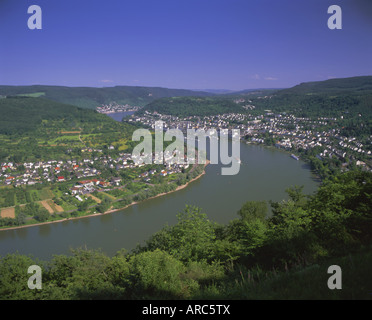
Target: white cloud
x: 271, y: 78
x: 107, y: 81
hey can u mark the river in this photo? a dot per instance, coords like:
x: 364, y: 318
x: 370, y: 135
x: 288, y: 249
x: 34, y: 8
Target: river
x: 118, y: 116
x: 264, y: 175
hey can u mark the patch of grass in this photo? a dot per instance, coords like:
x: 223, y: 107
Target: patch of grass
x: 45, y: 194
x: 109, y: 196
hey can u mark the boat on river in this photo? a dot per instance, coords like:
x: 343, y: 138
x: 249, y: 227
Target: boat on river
x: 294, y: 157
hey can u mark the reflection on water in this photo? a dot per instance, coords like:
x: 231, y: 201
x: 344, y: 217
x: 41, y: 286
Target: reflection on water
x: 21, y: 233
x: 45, y: 230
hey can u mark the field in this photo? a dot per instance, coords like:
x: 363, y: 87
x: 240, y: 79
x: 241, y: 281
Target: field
x: 57, y: 208
x: 121, y: 144
x: 51, y: 206
x: 8, y: 213
x: 32, y: 95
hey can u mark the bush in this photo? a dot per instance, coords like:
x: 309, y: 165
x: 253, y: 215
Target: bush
x: 156, y: 274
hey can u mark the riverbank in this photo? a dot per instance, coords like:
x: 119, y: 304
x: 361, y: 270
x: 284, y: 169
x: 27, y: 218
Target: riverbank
x: 158, y: 195
x: 108, y: 211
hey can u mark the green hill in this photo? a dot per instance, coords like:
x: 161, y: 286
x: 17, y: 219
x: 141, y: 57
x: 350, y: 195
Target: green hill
x: 89, y: 97
x: 353, y: 85
x: 42, y: 129
x: 192, y: 106
x: 22, y: 115
x: 349, y: 97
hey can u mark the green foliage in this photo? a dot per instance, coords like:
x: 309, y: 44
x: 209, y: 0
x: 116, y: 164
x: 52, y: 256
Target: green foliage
x: 156, y: 274
x: 104, y: 205
x: 42, y: 215
x: 348, y: 97
x: 83, y: 276
x: 21, y: 115
x: 190, y: 239
x: 253, y: 210
x: 14, y: 277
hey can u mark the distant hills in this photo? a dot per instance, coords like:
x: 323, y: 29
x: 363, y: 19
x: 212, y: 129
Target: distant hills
x: 329, y: 97
x: 333, y: 97
x: 90, y: 97
x: 192, y: 106
x: 353, y: 85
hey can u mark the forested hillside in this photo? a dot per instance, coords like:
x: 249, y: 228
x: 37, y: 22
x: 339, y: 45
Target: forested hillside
x: 347, y: 97
x: 37, y: 128
x: 353, y: 85
x: 20, y: 114
x: 192, y: 106
x: 90, y: 97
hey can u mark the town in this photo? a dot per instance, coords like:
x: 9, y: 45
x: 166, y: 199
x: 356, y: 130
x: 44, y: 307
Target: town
x: 114, y: 107
x: 281, y: 130
x: 54, y: 171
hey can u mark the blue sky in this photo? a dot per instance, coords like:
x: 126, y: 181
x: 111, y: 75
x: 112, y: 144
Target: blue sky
x: 194, y: 44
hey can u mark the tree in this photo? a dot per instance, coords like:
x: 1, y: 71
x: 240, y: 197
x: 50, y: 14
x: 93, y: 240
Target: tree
x: 192, y: 238
x: 157, y: 274
x: 42, y: 215
x: 104, y: 205
x: 14, y: 277
x: 253, y: 210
